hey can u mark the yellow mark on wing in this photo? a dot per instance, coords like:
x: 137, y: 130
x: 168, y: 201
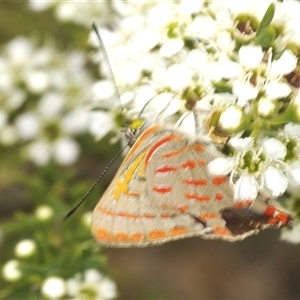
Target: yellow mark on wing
x: 123, y: 180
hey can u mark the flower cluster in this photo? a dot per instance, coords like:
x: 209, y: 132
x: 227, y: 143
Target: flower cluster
x: 231, y: 65
x: 35, y: 266
x: 91, y: 285
x: 42, y: 95
x: 77, y: 11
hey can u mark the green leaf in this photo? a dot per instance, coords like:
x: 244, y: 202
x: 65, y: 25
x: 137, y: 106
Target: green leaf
x: 266, y: 20
x: 266, y: 37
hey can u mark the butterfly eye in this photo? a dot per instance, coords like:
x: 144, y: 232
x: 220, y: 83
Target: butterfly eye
x: 136, y: 125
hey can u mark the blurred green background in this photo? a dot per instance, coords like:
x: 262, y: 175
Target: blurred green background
x: 259, y: 267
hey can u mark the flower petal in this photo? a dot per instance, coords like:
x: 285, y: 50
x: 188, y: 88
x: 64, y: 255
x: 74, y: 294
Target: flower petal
x: 246, y: 188
x: 293, y: 174
x: 274, y: 148
x: 221, y: 165
x: 275, y: 181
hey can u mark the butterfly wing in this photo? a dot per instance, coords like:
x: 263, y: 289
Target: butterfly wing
x: 162, y: 191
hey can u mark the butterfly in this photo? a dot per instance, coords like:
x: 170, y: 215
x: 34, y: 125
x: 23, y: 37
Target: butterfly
x: 163, y: 192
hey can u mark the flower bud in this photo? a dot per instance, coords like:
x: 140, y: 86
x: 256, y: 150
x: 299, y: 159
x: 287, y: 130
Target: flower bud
x: 25, y: 248
x: 266, y: 107
x: 10, y: 271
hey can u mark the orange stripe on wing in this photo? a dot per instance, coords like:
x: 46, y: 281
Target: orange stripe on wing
x: 171, y: 137
x: 136, y: 146
x: 219, y: 180
x: 219, y: 230
x: 166, y: 169
x: 197, y: 197
x: 195, y: 182
x: 162, y: 189
x: 156, y: 234
x: 189, y: 164
x: 219, y: 196
x: 179, y: 230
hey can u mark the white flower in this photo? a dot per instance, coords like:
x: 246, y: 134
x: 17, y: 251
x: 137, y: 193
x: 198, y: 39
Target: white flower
x: 284, y: 65
x: 189, y: 7
x: 275, y: 181
x: 274, y: 148
x: 277, y: 90
x: 177, y: 77
x: 65, y: 151
x: 86, y: 219
x: 37, y: 81
x: 171, y: 47
x: 291, y: 235
x: 54, y: 287
x: 293, y: 173
x: 241, y: 144
x: 44, y: 212
x: 39, y: 152
x: 50, y: 105
x: 246, y: 188
x: 250, y: 56
x: 231, y: 118
x: 244, y: 91
x: 100, y: 124
x: 103, y: 89
x: 25, y: 248
x: 10, y: 271
x: 107, y: 289
x: 28, y: 125
x: 91, y: 283
x: 266, y: 107
x: 292, y: 130
x: 221, y: 165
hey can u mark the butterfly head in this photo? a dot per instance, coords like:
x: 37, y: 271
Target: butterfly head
x: 133, y: 131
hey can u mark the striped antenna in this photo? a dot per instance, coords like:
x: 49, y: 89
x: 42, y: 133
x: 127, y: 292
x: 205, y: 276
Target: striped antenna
x: 97, y: 31
x: 71, y: 211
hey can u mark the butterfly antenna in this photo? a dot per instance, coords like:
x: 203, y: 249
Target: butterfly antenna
x: 71, y: 211
x: 97, y: 31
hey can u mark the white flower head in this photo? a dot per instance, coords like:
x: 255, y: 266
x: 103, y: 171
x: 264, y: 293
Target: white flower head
x: 39, y: 152
x: 250, y: 57
x: 65, y: 151
x: 284, y: 65
x: 25, y: 248
x: 28, y: 125
x: 274, y: 148
x: 86, y: 219
x: 91, y: 283
x: 293, y: 173
x: 266, y: 107
x: 244, y: 91
x: 275, y: 181
x: 276, y: 90
x: 246, y: 188
x: 37, y: 81
x: 242, y: 144
x: 10, y: 271
x: 221, y: 165
x: 54, y: 287
x: 231, y: 118
x: 171, y: 47
x: 178, y: 77
x: 292, y: 235
x: 44, y: 212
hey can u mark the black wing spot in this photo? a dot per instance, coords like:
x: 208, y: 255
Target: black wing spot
x: 243, y: 219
